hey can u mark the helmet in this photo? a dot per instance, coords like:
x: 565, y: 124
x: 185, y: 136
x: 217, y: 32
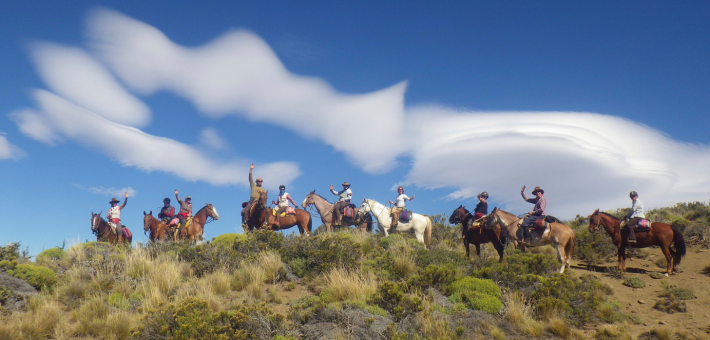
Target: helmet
x: 484, y: 194
x: 633, y: 193
x: 166, y: 200
x: 282, y: 186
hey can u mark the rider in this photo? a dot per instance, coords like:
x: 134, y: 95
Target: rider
x: 345, y: 196
x: 478, y: 212
x: 256, y: 191
x: 634, y: 215
x: 167, y: 212
x: 537, y: 213
x: 282, y: 202
x: 399, y: 205
x: 185, y: 212
x: 114, y: 215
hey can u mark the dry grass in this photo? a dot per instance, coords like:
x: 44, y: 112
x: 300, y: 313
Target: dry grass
x: 119, y: 326
x: 519, y: 313
x: 91, y: 316
x: 41, y: 319
x: 138, y: 263
x: 404, y: 262
x: 433, y: 324
x: 271, y: 264
x: 73, y: 284
x: 342, y: 284
x: 247, y: 274
x: 615, y: 332
x: 558, y: 326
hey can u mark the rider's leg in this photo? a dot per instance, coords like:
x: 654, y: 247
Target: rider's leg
x: 630, y: 227
x: 337, y: 218
x: 119, y: 232
x: 395, y: 216
x: 181, y: 225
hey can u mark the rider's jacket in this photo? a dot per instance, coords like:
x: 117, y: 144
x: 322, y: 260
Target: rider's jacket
x: 540, y: 204
x: 283, y: 200
x: 345, y: 195
x: 255, y: 190
x: 637, y: 210
x: 168, y: 211
x: 399, y: 201
x: 114, y: 213
x: 481, y: 208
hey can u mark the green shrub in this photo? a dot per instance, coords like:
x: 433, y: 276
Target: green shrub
x: 480, y: 294
x: 322, y: 252
x: 438, y: 277
x: 51, y: 254
x: 483, y: 302
x: 656, y: 275
x: 595, y: 247
x: 10, y: 252
x: 681, y: 293
x: 37, y: 276
x: 227, y: 240
x: 299, y: 266
x: 583, y: 296
x: 634, y: 282
x: 681, y: 224
x: 7, y: 265
x: 520, y: 271
x: 472, y: 284
x: 392, y: 297
x: 119, y: 301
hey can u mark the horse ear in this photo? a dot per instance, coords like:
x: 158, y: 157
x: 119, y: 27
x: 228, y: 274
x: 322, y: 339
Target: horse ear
x: 314, y: 191
x: 144, y: 213
x: 151, y: 213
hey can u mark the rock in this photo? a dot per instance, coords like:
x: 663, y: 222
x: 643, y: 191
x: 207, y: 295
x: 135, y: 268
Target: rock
x: 642, y: 302
x: 18, y: 289
x: 662, y: 323
x: 439, y: 298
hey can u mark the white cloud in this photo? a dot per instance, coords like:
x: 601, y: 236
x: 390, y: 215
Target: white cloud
x: 119, y: 193
x: 211, y: 138
x: 239, y: 74
x: 8, y: 150
x: 75, y: 75
x: 583, y: 161
x: 132, y: 147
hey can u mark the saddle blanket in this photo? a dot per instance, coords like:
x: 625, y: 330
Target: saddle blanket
x: 348, y: 212
x: 174, y: 221
x: 541, y: 225
x: 643, y: 226
x: 289, y: 211
x: 127, y: 232
x: 405, y: 216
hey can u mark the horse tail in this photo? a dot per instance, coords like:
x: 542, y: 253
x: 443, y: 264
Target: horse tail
x: 679, y: 243
x: 427, y: 233
x: 569, y: 247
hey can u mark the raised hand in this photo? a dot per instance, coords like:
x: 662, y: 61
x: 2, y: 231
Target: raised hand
x: 126, y: 194
x: 523, y: 189
x: 331, y: 187
x: 176, y: 192
x: 251, y: 167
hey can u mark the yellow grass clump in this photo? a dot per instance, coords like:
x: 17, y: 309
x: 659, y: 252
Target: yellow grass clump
x: 518, y: 312
x: 342, y: 284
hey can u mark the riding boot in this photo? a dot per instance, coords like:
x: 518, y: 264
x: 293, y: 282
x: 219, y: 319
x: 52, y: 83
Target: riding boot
x: 526, y: 234
x: 632, y: 234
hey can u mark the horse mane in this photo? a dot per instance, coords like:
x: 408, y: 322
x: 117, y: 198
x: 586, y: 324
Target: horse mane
x: 610, y: 216
x: 325, y: 199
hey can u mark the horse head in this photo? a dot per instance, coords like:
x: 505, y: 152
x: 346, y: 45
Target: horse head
x: 308, y: 200
x: 594, y: 221
x: 263, y: 198
x: 492, y: 217
x: 212, y: 211
x: 455, y: 217
x: 147, y: 219
x: 95, y: 219
x: 366, y: 206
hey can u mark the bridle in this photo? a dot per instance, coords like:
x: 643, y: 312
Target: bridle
x: 599, y: 221
x: 369, y: 206
x: 459, y: 217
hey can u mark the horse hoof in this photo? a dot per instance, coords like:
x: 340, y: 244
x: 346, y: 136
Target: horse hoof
x: 666, y: 274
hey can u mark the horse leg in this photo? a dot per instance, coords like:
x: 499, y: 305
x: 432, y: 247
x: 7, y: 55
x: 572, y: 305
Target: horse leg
x: 622, y: 258
x: 669, y: 259
x: 562, y: 257
x: 478, y: 249
x: 466, y: 246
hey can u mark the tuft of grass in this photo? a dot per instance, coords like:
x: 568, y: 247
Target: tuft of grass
x: 558, y: 326
x: 656, y: 275
x: 433, y: 324
x: 342, y: 284
x: 613, y: 332
x: 43, y: 316
x: 615, y: 273
x: 274, y: 295
x: 634, y: 282
x: 91, y: 316
x: 272, y: 265
x: 119, y: 326
x: 670, y: 305
x: 404, y: 263
x: 246, y: 275
x: 518, y: 312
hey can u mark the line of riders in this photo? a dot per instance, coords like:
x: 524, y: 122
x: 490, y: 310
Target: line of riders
x: 635, y: 218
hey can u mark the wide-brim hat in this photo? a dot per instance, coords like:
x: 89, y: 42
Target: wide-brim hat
x: 538, y: 189
x: 259, y: 179
x: 188, y: 198
x: 346, y: 184
x: 114, y: 200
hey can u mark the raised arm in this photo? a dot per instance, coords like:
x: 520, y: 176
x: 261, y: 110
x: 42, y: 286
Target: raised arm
x: 125, y: 200
x: 333, y: 191
x: 251, y: 179
x: 176, y: 196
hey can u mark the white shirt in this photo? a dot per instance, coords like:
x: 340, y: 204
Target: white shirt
x: 637, y: 210
x: 345, y: 194
x: 399, y: 203
x: 114, y: 212
x: 283, y: 200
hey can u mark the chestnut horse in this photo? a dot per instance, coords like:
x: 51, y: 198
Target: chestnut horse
x: 259, y: 216
x: 325, y: 210
x: 477, y: 234
x: 302, y: 219
x: 103, y: 231
x: 661, y: 235
x: 197, y: 226
x: 157, y: 227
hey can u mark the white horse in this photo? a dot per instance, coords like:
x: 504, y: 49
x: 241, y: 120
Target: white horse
x: 420, y: 223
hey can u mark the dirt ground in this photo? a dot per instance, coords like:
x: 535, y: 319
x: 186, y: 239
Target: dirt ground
x: 640, y: 301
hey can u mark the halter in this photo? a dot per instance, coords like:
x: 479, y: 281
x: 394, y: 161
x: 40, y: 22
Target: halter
x: 599, y: 221
x: 459, y: 219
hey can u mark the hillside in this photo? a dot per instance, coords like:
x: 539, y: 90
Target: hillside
x: 351, y: 285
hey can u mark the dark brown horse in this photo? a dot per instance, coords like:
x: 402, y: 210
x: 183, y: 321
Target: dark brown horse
x: 302, y: 219
x: 103, y: 231
x: 260, y: 213
x: 158, y: 229
x: 195, y: 229
x: 476, y: 234
x: 661, y: 235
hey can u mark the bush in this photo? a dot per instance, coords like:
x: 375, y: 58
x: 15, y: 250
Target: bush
x: 520, y: 271
x: 227, y: 240
x: 321, y: 253
x: 594, y: 248
x: 119, y: 301
x: 472, y: 284
x: 10, y: 252
x: 634, y: 282
x: 393, y: 298
x: 438, y: 277
x: 39, y: 277
x: 51, y: 254
x: 583, y: 296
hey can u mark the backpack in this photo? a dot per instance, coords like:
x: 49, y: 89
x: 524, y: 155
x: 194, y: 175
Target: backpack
x: 348, y: 212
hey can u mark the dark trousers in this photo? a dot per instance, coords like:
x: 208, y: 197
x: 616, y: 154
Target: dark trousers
x: 527, y: 223
x: 337, y: 208
x: 181, y: 222
x: 630, y: 224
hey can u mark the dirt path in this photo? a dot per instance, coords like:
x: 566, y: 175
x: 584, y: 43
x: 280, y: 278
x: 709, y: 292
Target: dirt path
x: 640, y: 301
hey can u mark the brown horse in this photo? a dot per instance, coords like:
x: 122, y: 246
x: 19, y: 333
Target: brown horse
x: 302, y: 219
x: 195, y: 229
x: 661, y: 235
x: 158, y: 229
x: 325, y: 210
x: 103, y: 231
x: 259, y: 215
x: 475, y: 233
x: 560, y: 235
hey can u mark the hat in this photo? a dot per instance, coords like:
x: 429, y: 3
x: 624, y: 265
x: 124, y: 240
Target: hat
x: 188, y: 198
x: 114, y: 200
x: 282, y: 186
x: 633, y: 193
x: 538, y: 189
x: 484, y: 194
x: 259, y: 179
x: 166, y: 200
x: 346, y: 184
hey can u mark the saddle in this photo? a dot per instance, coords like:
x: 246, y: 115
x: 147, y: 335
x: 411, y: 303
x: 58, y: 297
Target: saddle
x: 405, y: 216
x: 289, y: 211
x: 541, y: 225
x: 643, y: 226
x: 349, y: 212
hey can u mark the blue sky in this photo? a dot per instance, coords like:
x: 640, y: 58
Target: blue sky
x: 587, y: 100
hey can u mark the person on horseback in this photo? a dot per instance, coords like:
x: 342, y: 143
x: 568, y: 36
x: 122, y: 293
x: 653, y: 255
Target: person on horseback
x: 478, y: 212
x: 345, y: 196
x: 114, y: 215
x: 185, y: 212
x: 537, y: 213
x: 398, y: 206
x: 633, y: 216
x: 282, y: 202
x: 256, y: 191
x: 167, y: 212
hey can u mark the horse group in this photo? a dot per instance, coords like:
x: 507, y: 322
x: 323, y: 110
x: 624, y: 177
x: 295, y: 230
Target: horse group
x: 499, y: 226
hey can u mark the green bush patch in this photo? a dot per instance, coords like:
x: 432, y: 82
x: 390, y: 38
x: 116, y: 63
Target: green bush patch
x: 51, y: 254
x: 39, y: 277
x: 634, y: 282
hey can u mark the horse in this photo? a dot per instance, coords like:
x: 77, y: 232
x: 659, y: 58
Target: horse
x: 661, y: 235
x: 103, y: 231
x: 558, y: 234
x: 477, y: 235
x: 196, y: 227
x: 158, y: 229
x: 325, y: 210
x: 302, y: 219
x: 259, y: 216
x: 421, y: 224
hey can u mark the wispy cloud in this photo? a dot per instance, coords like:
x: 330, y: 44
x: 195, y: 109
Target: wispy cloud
x: 239, y: 74
x: 8, y: 150
x: 113, y: 192
x: 211, y: 138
